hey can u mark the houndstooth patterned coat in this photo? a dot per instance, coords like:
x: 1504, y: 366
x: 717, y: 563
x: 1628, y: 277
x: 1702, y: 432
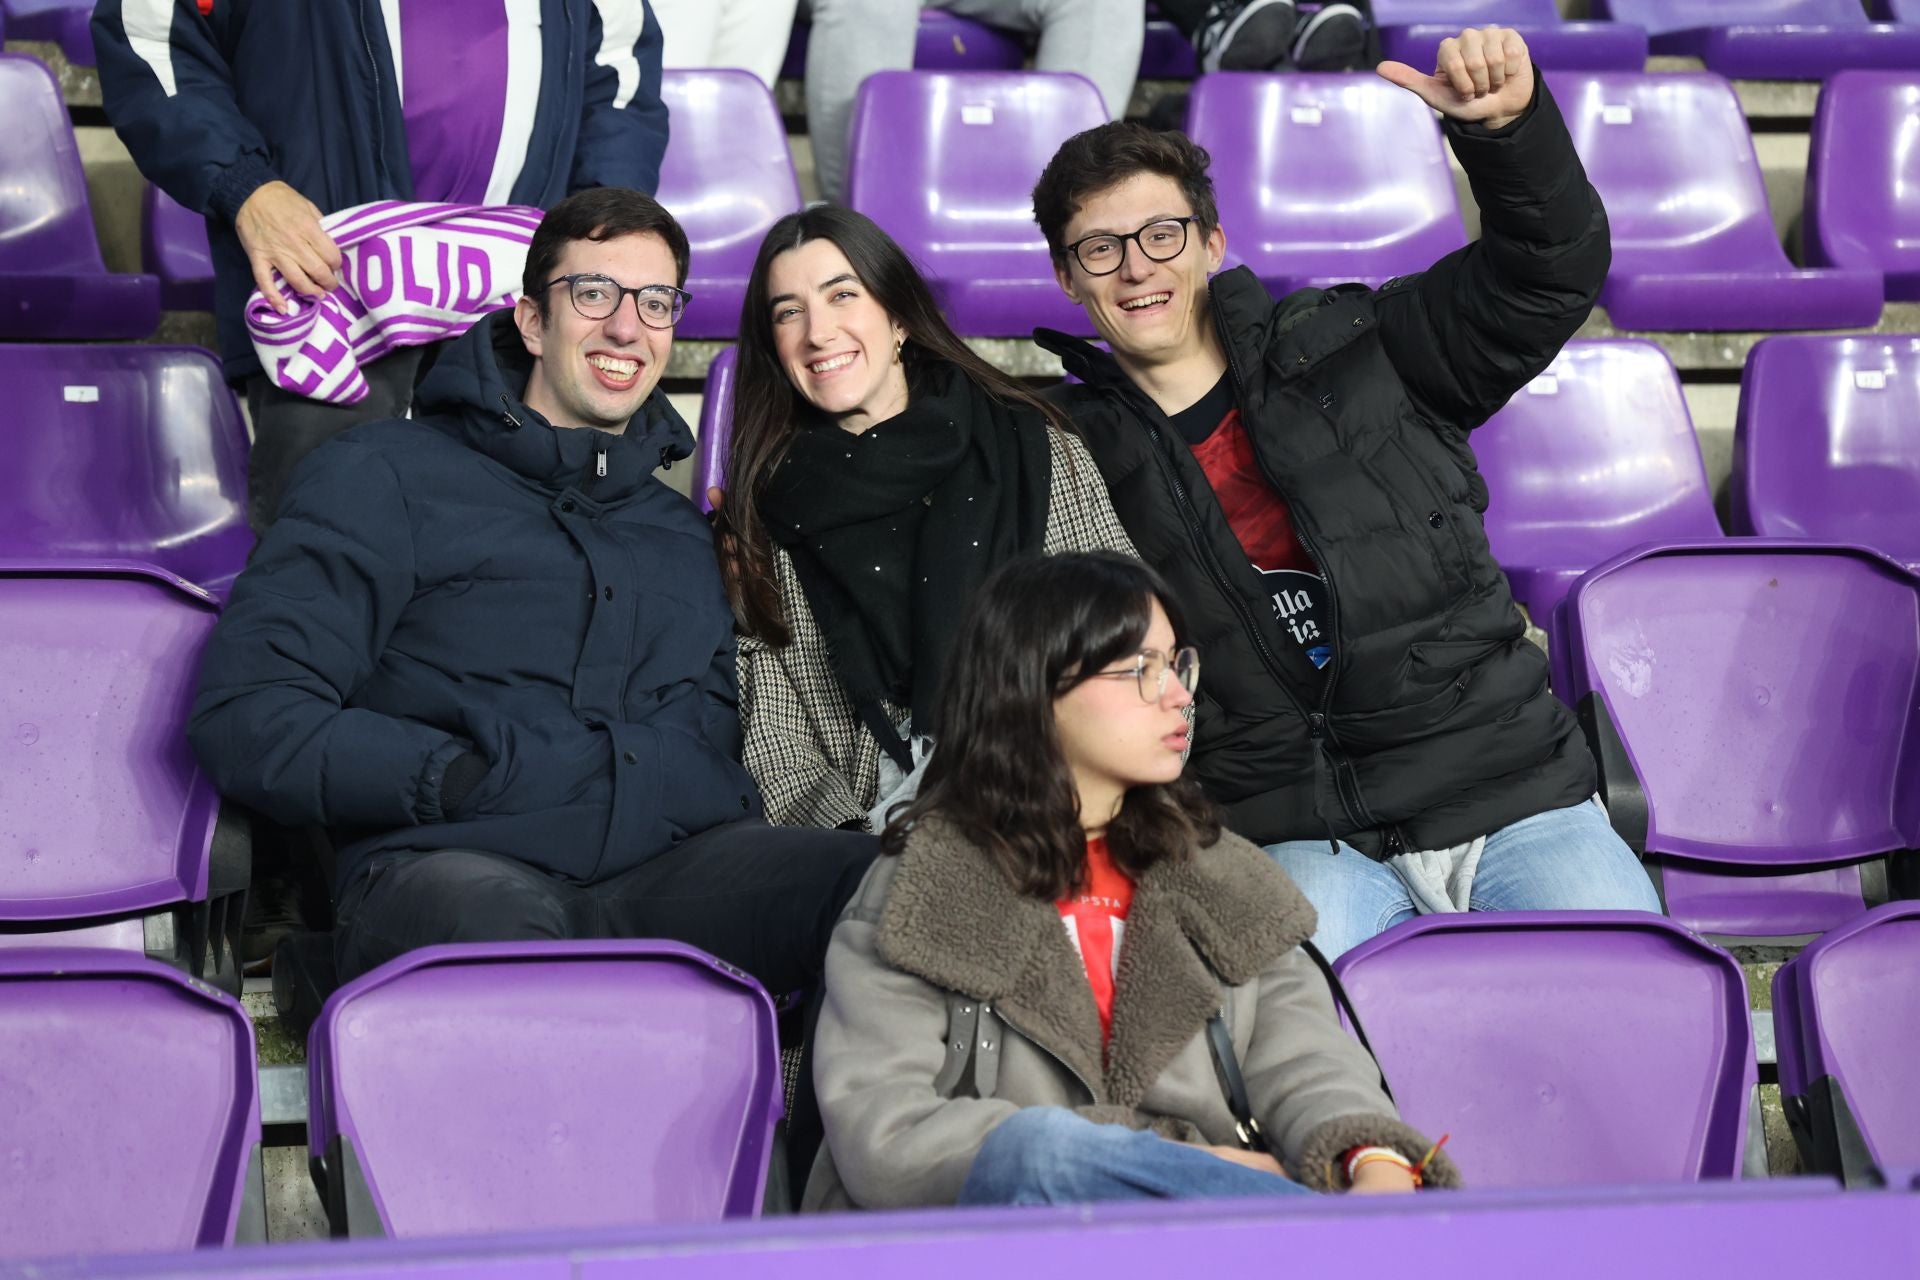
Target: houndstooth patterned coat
x: 815, y: 762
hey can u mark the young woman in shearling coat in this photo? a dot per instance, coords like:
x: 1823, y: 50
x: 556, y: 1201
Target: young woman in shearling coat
x: 1018, y: 1000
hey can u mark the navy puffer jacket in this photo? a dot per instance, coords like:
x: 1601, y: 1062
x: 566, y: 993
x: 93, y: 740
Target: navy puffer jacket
x: 458, y: 583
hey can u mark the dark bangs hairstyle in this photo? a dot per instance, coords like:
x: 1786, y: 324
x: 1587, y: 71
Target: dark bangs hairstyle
x: 1035, y: 629
x: 1107, y: 155
x: 768, y: 410
x: 598, y: 214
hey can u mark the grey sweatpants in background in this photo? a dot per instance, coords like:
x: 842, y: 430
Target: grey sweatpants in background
x: 852, y: 39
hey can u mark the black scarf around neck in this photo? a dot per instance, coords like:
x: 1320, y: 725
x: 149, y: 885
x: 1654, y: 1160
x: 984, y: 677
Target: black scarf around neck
x: 892, y: 530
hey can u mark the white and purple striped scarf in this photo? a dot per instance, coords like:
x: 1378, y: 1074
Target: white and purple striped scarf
x: 410, y: 274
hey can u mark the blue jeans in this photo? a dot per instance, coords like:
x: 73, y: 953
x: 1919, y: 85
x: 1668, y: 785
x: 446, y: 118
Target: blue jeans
x: 1561, y: 860
x: 1049, y: 1155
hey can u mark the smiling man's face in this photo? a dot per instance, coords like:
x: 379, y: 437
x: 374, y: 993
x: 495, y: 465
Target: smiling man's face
x: 1148, y: 312
x: 597, y: 373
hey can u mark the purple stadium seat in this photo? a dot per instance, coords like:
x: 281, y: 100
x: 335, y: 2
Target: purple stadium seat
x: 946, y: 162
x: 1827, y: 442
x: 1753, y: 709
x: 1562, y: 1048
x: 64, y: 22
x: 1594, y: 456
x: 129, y: 1109
x: 944, y: 42
x: 1844, y: 1014
x: 716, y: 428
x: 727, y: 177
x: 1411, y: 32
x: 52, y: 281
x: 1693, y: 243
x: 1166, y: 53
x: 104, y: 817
x: 1326, y: 178
x: 173, y: 246
x: 543, y: 1085
x: 1863, y: 178
x: 1768, y: 39
x: 124, y: 453
x: 1894, y: 10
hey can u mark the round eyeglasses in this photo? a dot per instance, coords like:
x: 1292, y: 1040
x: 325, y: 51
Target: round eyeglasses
x: 596, y: 297
x: 1101, y: 255
x: 1150, y: 669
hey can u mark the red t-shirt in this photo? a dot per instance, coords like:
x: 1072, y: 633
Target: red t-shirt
x: 1259, y: 518
x: 1096, y: 920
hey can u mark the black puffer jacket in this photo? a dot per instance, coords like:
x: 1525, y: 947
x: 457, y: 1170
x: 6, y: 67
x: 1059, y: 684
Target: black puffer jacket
x: 1434, y: 723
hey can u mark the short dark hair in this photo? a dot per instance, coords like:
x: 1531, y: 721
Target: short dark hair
x: 598, y: 214
x: 1094, y: 160
x: 1037, y: 626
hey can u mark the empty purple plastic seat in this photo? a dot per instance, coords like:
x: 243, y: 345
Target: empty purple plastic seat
x: 123, y: 453
x: 1753, y: 708
x: 1562, y: 1048
x: 52, y: 281
x: 1863, y: 178
x: 509, y: 1086
x: 716, y: 428
x: 727, y: 177
x: 1594, y: 456
x: 1411, y: 32
x: 129, y: 1110
x: 1326, y: 178
x: 945, y: 162
x: 1827, y: 442
x: 104, y: 816
x: 1166, y: 53
x: 1769, y: 39
x: 173, y: 247
x: 1693, y: 242
x: 1844, y: 1015
x: 66, y: 23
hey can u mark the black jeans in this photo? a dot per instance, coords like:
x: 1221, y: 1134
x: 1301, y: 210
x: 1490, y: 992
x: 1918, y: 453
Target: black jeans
x: 287, y: 427
x: 759, y: 897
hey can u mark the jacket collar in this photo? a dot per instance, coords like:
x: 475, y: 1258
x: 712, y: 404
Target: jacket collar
x: 474, y: 394
x: 1221, y: 916
x: 1253, y: 327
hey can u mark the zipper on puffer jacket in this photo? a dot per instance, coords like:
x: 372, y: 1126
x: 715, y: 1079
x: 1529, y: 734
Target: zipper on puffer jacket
x: 1319, y: 723
x: 1183, y: 503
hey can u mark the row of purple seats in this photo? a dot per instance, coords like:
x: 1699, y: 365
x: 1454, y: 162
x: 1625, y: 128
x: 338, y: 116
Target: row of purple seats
x: 948, y: 42
x: 53, y: 283
x: 1844, y: 1011
x: 1337, y: 178
x: 1411, y: 32
x: 944, y: 162
x: 1770, y: 39
x: 455, y: 1090
x: 1753, y: 707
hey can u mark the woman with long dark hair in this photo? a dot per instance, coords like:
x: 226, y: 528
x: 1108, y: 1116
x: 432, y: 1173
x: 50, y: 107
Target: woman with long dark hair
x: 879, y: 471
x: 1067, y: 983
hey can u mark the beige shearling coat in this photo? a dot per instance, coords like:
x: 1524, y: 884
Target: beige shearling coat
x: 953, y: 1001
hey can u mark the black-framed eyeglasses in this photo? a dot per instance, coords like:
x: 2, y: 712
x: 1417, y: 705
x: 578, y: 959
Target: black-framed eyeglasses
x: 1150, y: 669
x: 1101, y: 255
x: 597, y: 297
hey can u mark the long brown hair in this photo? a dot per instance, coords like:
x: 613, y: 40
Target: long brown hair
x: 1035, y: 627
x: 767, y: 409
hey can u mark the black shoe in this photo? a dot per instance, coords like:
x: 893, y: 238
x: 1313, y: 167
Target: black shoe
x: 1245, y: 35
x: 303, y: 978
x: 1334, y: 39
x: 273, y: 912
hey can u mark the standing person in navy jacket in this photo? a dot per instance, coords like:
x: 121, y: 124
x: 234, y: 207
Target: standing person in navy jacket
x: 491, y: 650
x: 265, y: 114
